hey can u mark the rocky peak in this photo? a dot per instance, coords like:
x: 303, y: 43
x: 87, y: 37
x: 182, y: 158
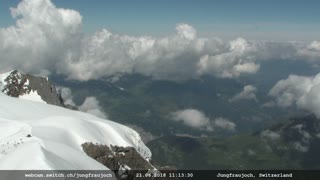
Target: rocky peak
x: 301, y: 133
x: 17, y: 84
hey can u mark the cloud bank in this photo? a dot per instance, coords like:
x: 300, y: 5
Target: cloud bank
x: 198, y: 120
x: 47, y: 39
x: 299, y: 91
x: 247, y: 93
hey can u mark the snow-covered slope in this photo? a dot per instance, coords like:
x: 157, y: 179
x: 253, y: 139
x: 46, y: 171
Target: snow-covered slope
x: 56, y: 136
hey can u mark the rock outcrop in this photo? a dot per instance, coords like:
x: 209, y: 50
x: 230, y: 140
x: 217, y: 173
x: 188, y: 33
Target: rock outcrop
x: 125, y: 162
x: 119, y: 159
x: 16, y: 84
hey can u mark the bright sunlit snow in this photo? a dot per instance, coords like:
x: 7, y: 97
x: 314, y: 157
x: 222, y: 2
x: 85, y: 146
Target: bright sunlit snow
x: 56, y: 136
x: 32, y: 96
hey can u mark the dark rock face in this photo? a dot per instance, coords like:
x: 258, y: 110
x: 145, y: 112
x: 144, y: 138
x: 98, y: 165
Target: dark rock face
x: 126, y: 162
x: 45, y: 89
x: 18, y: 84
x: 118, y: 159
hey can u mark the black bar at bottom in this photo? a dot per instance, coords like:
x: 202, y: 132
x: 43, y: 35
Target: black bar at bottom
x: 163, y: 175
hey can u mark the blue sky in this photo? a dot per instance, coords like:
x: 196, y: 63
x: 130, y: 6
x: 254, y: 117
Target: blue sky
x: 255, y: 19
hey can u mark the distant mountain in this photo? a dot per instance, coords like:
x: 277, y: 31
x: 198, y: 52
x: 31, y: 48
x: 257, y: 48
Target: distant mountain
x: 302, y: 129
x: 302, y: 134
x: 293, y: 144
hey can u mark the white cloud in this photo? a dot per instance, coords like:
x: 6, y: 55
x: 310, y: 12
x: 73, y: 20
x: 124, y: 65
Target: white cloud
x: 91, y: 105
x: 193, y: 118
x: 186, y: 31
x: 224, y: 124
x: 107, y: 54
x: 248, y: 93
x: 66, y: 95
x: 41, y: 35
x: 315, y: 45
x: 270, y: 135
x: 50, y: 40
x: 300, y: 91
x: 197, y: 119
x: 312, y: 51
x: 236, y: 59
x: 268, y: 104
x: 300, y: 147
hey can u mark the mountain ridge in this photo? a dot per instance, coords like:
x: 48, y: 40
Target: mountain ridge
x: 18, y: 84
x: 58, y: 134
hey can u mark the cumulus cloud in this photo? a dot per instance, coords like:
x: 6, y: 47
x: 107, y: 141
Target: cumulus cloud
x: 224, y: 124
x: 237, y: 59
x: 247, y: 93
x: 198, y: 120
x: 50, y: 40
x: 66, y: 95
x: 108, y: 54
x: 270, y: 135
x: 91, y: 106
x: 186, y: 31
x: 193, y: 118
x: 40, y: 36
x: 312, y: 51
x: 299, y: 91
x: 300, y: 147
x: 269, y: 104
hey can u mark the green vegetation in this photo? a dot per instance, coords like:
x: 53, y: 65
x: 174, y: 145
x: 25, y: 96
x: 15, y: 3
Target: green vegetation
x: 245, y: 152
x: 148, y: 103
